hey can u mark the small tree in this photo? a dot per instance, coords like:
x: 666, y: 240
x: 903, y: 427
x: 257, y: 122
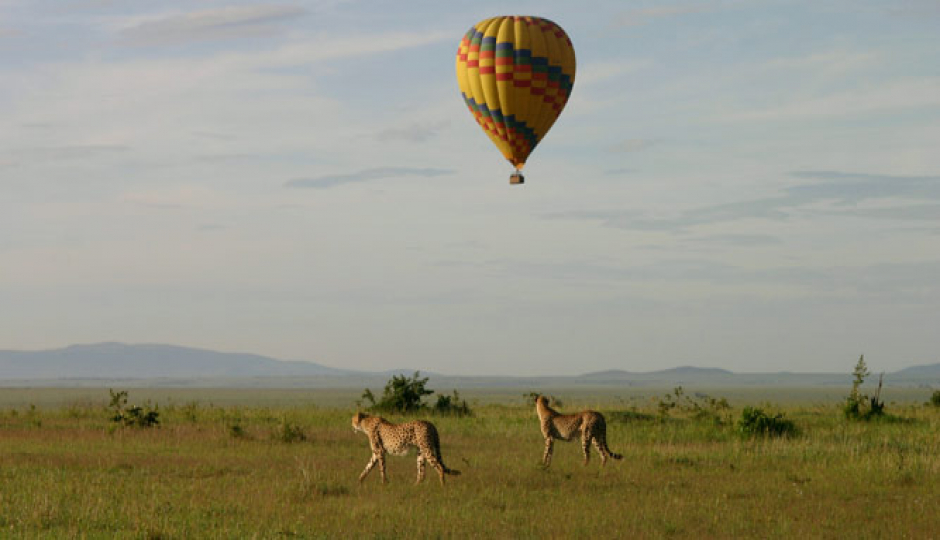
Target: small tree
x: 405, y: 395
x: 401, y: 394
x: 755, y: 422
x: 860, y: 373
x: 935, y: 398
x: 553, y: 401
x: 857, y: 405
x: 452, y: 405
x: 135, y: 416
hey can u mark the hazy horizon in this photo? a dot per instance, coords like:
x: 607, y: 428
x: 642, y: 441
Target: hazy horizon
x: 752, y: 186
x: 571, y: 372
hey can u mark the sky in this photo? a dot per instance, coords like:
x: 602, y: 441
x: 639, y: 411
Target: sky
x: 751, y: 185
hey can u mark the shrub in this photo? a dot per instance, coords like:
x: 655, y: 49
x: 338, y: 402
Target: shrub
x: 402, y: 394
x: 289, y: 432
x: 236, y: 431
x: 405, y: 395
x: 859, y: 406
x: 701, y: 407
x: 626, y: 417
x: 935, y: 398
x: 553, y: 401
x: 451, y: 405
x: 135, y: 416
x: 190, y: 411
x: 755, y: 422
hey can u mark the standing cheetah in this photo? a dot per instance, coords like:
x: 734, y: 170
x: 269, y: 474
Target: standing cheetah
x: 397, y: 439
x: 590, y: 424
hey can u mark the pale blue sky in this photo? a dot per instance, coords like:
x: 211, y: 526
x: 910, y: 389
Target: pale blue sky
x: 747, y: 185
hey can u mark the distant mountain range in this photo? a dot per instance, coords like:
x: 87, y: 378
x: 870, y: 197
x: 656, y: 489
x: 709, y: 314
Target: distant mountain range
x: 123, y: 361
x: 169, y: 365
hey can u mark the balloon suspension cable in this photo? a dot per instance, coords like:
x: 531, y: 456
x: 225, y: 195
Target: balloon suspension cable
x: 516, y: 178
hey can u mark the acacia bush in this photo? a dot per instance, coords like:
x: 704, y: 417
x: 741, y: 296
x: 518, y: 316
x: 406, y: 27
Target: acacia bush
x: 288, y: 432
x: 755, y: 422
x: 135, y: 416
x: 859, y: 406
x: 698, y: 407
x: 553, y: 401
x: 404, y: 395
x: 451, y: 405
x: 935, y: 398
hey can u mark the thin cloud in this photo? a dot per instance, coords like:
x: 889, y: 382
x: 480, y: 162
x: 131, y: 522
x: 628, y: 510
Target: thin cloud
x: 173, y: 197
x: 224, y: 23
x: 906, y: 282
x: 910, y: 93
x: 852, y: 188
x: 917, y: 212
x: 842, y: 188
x: 599, y: 72
x: 632, y: 145
x: 368, y: 175
x: 830, y: 62
x: 916, y: 9
x: 620, y: 171
x: 69, y: 152
x: 642, y: 16
x: 736, y: 240
x: 412, y: 133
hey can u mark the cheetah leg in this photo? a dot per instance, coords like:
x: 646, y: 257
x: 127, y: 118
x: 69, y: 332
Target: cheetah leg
x: 421, y: 461
x: 586, y: 447
x: 369, y: 466
x: 382, y: 467
x: 547, y: 456
x: 601, y: 450
x: 431, y: 456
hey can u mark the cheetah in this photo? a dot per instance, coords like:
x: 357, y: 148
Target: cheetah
x: 397, y: 439
x: 590, y: 424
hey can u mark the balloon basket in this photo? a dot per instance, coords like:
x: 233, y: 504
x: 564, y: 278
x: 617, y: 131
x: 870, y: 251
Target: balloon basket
x: 516, y: 178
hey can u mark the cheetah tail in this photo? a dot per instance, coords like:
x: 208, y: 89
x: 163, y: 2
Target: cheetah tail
x: 452, y: 472
x: 615, y: 456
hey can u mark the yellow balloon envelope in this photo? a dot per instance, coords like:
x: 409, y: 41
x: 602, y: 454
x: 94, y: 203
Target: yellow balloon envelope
x: 515, y: 74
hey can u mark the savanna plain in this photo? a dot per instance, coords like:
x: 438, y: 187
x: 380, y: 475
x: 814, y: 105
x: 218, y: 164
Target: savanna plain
x: 226, y: 463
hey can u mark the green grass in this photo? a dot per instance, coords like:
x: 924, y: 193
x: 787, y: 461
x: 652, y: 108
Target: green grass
x: 65, y: 471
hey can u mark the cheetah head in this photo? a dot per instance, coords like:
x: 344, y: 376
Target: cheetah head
x: 357, y: 421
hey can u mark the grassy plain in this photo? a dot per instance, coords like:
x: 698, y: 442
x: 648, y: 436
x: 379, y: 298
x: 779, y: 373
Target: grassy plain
x: 66, y: 471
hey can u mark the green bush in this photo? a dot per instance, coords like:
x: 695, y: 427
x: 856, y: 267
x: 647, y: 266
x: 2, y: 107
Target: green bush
x: 530, y: 397
x: 236, y: 431
x: 401, y: 395
x: 935, y: 398
x: 289, y: 432
x: 859, y: 406
x: 404, y: 395
x: 699, y: 407
x: 755, y: 422
x: 451, y: 405
x: 135, y: 416
x: 627, y: 417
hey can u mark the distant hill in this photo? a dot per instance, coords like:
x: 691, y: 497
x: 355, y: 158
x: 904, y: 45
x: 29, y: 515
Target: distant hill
x: 929, y: 370
x: 123, y: 361
x: 671, y: 373
x: 694, y: 371
x: 174, y: 366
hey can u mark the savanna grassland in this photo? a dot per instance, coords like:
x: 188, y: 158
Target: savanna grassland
x: 285, y: 465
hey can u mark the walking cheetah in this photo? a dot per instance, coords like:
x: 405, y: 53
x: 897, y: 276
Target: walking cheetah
x: 590, y: 424
x: 397, y: 439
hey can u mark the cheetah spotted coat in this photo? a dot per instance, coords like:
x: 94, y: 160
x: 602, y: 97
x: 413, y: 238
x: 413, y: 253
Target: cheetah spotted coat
x: 397, y: 439
x: 590, y: 424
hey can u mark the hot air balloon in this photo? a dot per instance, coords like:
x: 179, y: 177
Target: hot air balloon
x: 516, y: 74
